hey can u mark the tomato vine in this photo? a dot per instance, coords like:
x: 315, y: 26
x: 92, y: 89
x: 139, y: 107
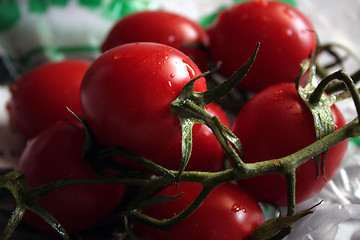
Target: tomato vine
x: 189, y: 106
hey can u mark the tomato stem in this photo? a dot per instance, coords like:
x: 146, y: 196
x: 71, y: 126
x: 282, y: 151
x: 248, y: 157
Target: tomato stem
x: 344, y: 77
x: 290, y: 186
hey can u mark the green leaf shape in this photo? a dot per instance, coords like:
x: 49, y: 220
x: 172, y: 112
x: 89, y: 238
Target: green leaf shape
x: 275, y: 226
x: 157, y: 200
x: 186, y: 143
x: 190, y: 108
x: 13, y: 222
x: 26, y: 199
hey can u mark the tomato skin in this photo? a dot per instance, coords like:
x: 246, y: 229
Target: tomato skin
x: 228, y: 213
x: 285, y: 35
x: 160, y: 27
x: 207, y: 153
x: 40, y: 97
x: 276, y: 123
x: 126, y: 96
x: 55, y: 154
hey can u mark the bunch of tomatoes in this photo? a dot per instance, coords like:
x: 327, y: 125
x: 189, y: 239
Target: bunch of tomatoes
x: 125, y: 95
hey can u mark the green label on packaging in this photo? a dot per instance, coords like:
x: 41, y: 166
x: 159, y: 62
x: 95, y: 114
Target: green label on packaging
x: 9, y: 14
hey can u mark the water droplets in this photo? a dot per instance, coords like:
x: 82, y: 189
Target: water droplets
x: 121, y: 56
x: 169, y: 87
x: 277, y: 95
x: 190, y: 70
x: 237, y: 208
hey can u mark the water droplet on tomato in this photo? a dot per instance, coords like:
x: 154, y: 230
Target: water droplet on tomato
x: 119, y: 56
x: 190, y: 70
x: 237, y: 208
x: 277, y: 95
x: 169, y: 87
x: 172, y: 75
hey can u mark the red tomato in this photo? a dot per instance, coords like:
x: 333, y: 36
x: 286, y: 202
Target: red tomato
x: 285, y: 35
x: 40, y: 97
x: 273, y: 124
x: 207, y: 153
x: 55, y: 154
x: 227, y: 213
x: 126, y: 96
x: 160, y: 27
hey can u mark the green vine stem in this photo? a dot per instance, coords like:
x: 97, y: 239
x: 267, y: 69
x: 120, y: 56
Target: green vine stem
x: 209, y: 180
x: 329, y: 48
x: 322, y: 71
x: 340, y: 75
x: 284, y: 166
x: 189, y: 105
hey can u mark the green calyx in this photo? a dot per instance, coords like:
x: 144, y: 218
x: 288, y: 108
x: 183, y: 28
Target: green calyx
x: 189, y: 107
x: 320, y: 108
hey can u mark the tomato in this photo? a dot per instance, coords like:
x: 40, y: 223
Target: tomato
x: 273, y: 124
x: 40, y: 97
x: 161, y: 27
x: 55, y: 154
x: 207, y: 153
x: 227, y: 213
x: 285, y: 35
x: 126, y: 96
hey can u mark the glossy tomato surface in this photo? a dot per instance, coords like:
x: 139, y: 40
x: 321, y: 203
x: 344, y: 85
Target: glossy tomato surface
x: 228, y: 213
x: 126, y: 96
x: 55, y: 154
x: 163, y: 27
x: 276, y: 123
x: 207, y: 153
x: 40, y: 97
x: 286, y: 38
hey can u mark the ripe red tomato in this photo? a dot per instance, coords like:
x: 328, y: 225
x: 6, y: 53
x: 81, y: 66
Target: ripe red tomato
x: 227, y: 213
x: 160, y: 27
x: 126, y: 96
x: 55, y: 154
x: 273, y: 124
x: 285, y: 35
x: 207, y: 153
x: 40, y: 97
